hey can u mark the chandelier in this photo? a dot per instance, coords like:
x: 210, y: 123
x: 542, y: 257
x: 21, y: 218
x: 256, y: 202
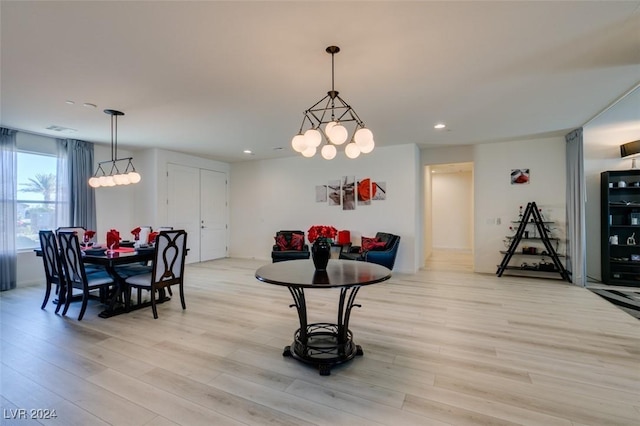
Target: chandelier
x: 332, y: 111
x: 114, y: 177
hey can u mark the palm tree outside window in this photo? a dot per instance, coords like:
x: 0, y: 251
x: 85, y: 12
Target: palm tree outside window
x: 37, y: 200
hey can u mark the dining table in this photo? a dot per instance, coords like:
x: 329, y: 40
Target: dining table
x: 116, y: 263
x: 113, y: 262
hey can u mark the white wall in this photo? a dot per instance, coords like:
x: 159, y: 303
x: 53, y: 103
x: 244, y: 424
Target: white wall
x: 151, y: 194
x: 495, y: 197
x: 452, y: 204
x: 270, y: 195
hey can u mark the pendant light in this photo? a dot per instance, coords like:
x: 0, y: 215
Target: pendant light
x: 332, y: 112
x: 114, y: 177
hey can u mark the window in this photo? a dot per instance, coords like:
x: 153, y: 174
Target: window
x: 37, y: 201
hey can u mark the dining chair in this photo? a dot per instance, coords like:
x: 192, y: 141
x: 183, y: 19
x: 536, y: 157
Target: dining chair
x: 52, y: 268
x: 168, y: 268
x: 76, y: 275
x: 166, y: 228
x: 80, y: 230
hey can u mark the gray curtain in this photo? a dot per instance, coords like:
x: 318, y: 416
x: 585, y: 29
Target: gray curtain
x: 8, y: 214
x: 82, y: 200
x: 576, y: 205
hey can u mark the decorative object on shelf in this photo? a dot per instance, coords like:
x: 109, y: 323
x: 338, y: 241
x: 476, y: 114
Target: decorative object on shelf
x: 613, y: 240
x: 115, y: 177
x: 320, y: 236
x: 630, y: 149
x: 631, y: 241
x: 332, y: 111
x: 622, y: 184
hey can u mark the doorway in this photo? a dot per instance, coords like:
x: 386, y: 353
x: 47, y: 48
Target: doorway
x: 449, y: 216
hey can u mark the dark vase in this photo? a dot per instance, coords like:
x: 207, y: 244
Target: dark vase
x: 320, y: 253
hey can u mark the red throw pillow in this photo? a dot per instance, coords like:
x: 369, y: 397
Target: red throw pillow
x: 377, y: 246
x: 297, y: 241
x: 366, y: 243
x: 281, y: 242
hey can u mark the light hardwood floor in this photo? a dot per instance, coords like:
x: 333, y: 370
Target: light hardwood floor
x: 440, y: 347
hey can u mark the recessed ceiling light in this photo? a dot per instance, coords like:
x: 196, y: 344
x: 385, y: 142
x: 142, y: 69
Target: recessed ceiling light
x: 247, y: 151
x: 440, y: 126
x: 69, y: 102
x: 88, y: 105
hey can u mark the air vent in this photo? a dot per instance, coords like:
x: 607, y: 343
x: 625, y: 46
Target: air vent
x: 61, y: 129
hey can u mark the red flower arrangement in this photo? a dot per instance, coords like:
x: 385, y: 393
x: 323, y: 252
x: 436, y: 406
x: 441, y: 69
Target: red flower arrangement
x: 321, y: 231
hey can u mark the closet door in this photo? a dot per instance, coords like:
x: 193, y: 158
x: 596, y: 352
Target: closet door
x: 213, y: 215
x: 184, y: 205
x: 198, y: 204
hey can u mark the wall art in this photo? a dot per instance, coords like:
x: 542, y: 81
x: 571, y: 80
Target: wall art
x: 364, y: 191
x: 333, y: 193
x: 321, y: 193
x: 519, y: 176
x: 379, y: 190
x: 348, y: 192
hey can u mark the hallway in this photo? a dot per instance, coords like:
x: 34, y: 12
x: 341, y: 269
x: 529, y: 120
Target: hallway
x: 450, y: 260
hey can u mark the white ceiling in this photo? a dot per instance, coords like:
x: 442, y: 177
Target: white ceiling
x: 214, y: 78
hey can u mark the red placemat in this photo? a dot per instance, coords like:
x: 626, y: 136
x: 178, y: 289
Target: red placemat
x: 124, y: 250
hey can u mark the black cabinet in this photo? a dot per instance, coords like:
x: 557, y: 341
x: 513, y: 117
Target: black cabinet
x: 620, y: 227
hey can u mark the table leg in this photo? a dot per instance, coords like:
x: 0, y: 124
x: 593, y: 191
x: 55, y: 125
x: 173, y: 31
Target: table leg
x: 120, y: 290
x: 324, y: 345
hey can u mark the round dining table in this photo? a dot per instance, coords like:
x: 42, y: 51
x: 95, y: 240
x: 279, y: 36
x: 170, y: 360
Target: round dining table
x: 323, y: 344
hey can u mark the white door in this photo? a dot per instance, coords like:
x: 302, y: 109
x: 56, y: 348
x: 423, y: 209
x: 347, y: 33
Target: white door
x: 213, y: 215
x: 184, y: 205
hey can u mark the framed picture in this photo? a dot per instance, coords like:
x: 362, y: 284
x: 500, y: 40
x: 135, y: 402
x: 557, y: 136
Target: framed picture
x: 519, y: 176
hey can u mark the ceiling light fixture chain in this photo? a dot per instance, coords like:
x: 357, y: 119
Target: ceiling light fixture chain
x: 100, y: 177
x: 334, y: 132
